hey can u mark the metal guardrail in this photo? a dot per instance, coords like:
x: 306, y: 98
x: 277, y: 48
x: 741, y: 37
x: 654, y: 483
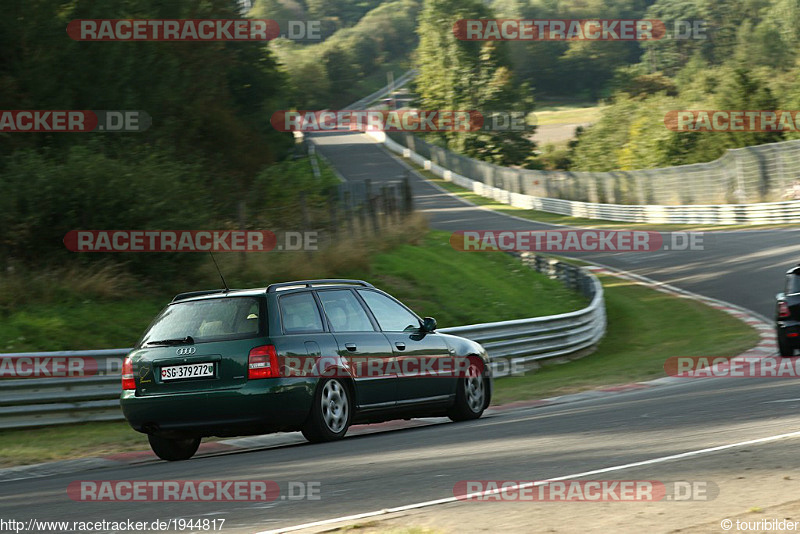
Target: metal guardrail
x: 519, y: 344
x: 754, y: 174
x: 717, y: 214
x: 762, y: 180
x: 383, y: 91
x: 37, y: 402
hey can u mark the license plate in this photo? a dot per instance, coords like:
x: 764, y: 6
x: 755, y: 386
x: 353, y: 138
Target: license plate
x: 193, y: 370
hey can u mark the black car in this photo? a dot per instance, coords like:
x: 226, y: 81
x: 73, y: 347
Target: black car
x: 312, y: 355
x: 787, y: 314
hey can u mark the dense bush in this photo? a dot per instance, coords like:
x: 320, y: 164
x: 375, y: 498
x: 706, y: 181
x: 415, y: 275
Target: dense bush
x: 45, y: 195
x: 282, y: 191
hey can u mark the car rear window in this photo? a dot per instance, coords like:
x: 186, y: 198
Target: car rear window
x: 215, y: 319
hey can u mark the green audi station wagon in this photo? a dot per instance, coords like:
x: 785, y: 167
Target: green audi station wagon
x: 312, y: 355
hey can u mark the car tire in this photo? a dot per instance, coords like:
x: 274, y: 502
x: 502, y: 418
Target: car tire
x: 173, y: 450
x: 331, y: 412
x: 471, y: 393
x: 784, y: 347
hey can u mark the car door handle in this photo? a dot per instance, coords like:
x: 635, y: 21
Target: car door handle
x: 400, y: 345
x: 350, y: 346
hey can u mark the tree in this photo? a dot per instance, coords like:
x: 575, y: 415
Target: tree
x: 669, y: 54
x: 741, y: 90
x: 468, y: 75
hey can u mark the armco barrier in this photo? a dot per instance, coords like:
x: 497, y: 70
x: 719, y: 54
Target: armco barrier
x: 36, y: 402
x: 716, y: 214
x: 383, y: 91
x: 32, y: 402
x: 514, y: 345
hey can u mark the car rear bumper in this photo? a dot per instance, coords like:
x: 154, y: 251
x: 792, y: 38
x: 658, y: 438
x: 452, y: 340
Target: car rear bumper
x: 789, y: 330
x: 260, y: 406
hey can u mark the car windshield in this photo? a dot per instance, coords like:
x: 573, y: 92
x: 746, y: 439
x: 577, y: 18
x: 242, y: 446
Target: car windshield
x: 205, y: 320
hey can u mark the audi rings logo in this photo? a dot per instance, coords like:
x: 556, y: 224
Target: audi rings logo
x: 185, y: 351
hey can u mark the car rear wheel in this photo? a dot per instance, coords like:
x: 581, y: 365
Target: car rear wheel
x: 173, y: 450
x: 330, y: 412
x: 784, y: 347
x: 470, y: 394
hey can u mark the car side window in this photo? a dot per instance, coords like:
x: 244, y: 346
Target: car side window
x: 299, y: 313
x: 391, y: 316
x: 344, y: 311
x: 792, y: 284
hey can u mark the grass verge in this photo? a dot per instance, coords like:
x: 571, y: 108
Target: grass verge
x: 645, y: 327
x: 560, y: 114
x: 421, y: 269
x: 22, y: 447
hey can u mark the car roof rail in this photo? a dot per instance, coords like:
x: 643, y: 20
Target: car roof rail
x: 272, y: 288
x: 190, y: 294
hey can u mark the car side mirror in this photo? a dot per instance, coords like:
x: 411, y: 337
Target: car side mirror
x: 428, y: 324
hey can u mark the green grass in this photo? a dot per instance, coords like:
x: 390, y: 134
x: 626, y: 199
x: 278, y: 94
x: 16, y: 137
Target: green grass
x: 21, y: 447
x: 564, y: 105
x: 567, y: 115
x: 431, y: 277
x: 645, y: 327
x: 554, y: 218
x: 467, y: 287
x: 78, y: 325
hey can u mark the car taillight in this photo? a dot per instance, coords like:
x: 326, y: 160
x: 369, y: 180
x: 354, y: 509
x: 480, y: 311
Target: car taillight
x: 783, y: 310
x: 127, y: 375
x: 262, y: 363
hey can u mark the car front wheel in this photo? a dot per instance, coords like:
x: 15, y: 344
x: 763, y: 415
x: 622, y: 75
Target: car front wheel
x: 173, y: 450
x: 330, y: 412
x: 470, y: 394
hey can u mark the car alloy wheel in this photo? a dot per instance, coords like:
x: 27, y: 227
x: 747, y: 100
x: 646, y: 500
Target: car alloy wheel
x: 334, y: 405
x: 474, y: 389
